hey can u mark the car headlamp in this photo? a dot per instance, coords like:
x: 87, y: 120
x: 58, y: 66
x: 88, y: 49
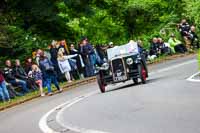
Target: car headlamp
x: 105, y: 66
x: 129, y: 61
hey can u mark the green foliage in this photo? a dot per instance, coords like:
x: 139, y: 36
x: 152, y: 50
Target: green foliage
x: 199, y: 59
x: 191, y: 11
x: 28, y: 24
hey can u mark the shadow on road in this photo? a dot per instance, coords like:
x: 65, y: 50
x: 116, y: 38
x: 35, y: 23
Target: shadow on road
x: 149, y: 81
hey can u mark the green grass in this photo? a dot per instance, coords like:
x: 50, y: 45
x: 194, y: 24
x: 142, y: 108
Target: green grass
x: 30, y: 95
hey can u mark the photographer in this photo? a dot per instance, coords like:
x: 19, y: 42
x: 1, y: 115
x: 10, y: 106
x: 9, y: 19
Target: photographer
x: 184, y: 29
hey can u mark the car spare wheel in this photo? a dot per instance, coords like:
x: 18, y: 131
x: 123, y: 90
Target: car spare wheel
x: 101, y: 83
x: 142, y: 73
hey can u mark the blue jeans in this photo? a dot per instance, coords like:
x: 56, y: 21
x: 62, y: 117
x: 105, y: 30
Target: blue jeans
x: 51, y: 78
x: 20, y: 83
x: 89, y: 67
x: 4, y: 92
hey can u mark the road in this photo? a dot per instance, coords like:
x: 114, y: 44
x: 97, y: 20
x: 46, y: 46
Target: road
x: 168, y: 103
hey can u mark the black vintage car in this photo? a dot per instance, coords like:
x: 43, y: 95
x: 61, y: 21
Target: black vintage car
x: 124, y: 63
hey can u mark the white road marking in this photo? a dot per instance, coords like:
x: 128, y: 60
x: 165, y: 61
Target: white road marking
x: 191, y: 78
x: 73, y: 128
x: 43, y: 121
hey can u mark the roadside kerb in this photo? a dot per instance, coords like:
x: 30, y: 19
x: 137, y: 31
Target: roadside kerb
x: 85, y: 81
x: 65, y: 88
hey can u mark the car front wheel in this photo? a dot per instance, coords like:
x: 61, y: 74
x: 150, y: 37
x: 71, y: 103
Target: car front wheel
x: 101, y: 84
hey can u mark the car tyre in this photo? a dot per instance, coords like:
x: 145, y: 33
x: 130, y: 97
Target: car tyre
x: 101, y: 84
x: 142, y: 73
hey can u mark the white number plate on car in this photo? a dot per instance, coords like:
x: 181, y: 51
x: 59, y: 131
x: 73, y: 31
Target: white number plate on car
x: 120, y: 78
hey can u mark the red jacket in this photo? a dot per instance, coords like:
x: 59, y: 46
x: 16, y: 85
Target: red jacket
x: 1, y: 77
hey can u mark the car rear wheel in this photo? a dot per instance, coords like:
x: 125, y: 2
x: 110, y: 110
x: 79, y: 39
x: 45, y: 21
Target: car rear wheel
x: 101, y: 84
x: 142, y: 73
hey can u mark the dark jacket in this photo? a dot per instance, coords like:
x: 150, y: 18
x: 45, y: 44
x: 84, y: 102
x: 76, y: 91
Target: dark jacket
x: 19, y: 72
x: 86, y: 52
x: 28, y: 67
x: 184, y: 29
x: 193, y: 35
x: 54, y: 52
x: 1, y: 77
x: 154, y: 49
x: 46, y: 67
x: 77, y: 58
x: 8, y: 74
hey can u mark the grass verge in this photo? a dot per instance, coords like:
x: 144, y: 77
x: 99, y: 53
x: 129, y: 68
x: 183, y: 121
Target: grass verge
x: 67, y: 86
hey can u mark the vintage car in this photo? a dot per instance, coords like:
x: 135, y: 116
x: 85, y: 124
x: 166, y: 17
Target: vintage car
x: 123, y: 63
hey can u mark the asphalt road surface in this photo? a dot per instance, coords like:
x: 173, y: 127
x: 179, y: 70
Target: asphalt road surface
x: 168, y: 103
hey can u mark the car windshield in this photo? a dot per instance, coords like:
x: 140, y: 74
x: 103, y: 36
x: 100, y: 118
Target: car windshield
x: 131, y: 47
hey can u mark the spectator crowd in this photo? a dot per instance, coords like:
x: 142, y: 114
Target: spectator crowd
x: 58, y: 63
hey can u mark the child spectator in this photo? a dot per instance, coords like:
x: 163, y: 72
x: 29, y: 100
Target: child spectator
x: 64, y: 65
x: 37, y: 76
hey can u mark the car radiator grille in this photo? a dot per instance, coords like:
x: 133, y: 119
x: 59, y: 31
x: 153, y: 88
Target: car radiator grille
x: 118, y: 67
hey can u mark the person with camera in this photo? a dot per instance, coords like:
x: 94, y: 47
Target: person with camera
x: 184, y: 29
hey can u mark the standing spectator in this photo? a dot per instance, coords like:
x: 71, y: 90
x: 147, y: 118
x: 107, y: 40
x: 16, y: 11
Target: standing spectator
x: 101, y: 50
x: 3, y: 90
x: 79, y: 60
x: 37, y: 75
x: 87, y: 51
x: 184, y: 29
x: 193, y: 37
x: 10, y: 78
x: 63, y: 45
x: 49, y: 74
x: 20, y: 73
x: 54, y: 53
x: 176, y: 45
x: 142, y: 50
